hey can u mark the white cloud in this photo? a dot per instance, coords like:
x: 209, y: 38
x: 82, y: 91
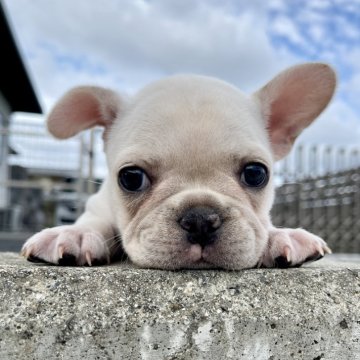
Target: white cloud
x: 339, y: 124
x: 317, y: 32
x: 354, y: 88
x: 283, y: 26
x: 135, y: 42
x: 126, y: 44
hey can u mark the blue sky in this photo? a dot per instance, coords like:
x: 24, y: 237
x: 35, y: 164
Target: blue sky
x: 126, y: 44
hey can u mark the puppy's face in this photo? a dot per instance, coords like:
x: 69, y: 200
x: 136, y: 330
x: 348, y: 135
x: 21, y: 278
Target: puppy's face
x: 190, y: 172
x: 190, y: 161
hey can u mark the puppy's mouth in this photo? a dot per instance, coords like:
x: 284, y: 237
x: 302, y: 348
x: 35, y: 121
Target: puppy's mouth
x: 197, y: 256
x: 195, y: 253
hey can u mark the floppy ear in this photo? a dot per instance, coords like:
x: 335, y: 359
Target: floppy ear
x: 292, y: 100
x: 82, y: 108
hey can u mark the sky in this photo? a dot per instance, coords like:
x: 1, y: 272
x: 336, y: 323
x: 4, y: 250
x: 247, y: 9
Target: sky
x: 125, y: 45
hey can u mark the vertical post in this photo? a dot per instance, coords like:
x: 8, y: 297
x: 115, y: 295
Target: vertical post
x: 80, y: 181
x: 91, y: 180
x: 327, y: 160
x: 299, y: 162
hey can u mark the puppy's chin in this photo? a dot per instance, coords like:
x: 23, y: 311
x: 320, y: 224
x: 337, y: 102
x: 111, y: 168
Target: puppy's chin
x: 194, y: 257
x: 155, y: 240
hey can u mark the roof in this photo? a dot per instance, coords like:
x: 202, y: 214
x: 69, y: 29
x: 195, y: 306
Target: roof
x: 15, y: 84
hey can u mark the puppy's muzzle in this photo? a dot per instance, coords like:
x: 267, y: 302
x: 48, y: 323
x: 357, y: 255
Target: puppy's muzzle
x: 201, y: 225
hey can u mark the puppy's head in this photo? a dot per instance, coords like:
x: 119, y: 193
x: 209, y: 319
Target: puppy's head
x: 190, y: 161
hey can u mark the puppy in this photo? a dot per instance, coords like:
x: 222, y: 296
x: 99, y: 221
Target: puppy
x: 190, y: 180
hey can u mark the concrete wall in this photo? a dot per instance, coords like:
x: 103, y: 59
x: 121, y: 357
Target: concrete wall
x: 121, y: 312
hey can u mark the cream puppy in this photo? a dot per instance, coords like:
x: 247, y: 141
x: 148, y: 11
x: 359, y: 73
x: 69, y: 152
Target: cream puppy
x: 190, y: 180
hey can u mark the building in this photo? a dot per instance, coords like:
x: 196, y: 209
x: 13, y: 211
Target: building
x: 16, y: 95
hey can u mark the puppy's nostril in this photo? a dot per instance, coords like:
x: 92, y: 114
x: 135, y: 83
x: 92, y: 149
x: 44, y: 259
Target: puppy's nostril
x: 214, y: 221
x: 188, y: 224
x: 200, y: 223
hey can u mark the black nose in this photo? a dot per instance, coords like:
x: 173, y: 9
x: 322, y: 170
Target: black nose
x: 201, y: 224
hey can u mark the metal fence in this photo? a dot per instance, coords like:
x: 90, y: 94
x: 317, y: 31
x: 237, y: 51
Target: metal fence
x: 319, y: 190
x: 48, y: 181
x: 327, y: 205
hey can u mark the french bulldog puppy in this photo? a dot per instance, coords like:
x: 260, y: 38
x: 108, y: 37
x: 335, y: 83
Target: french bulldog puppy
x: 190, y: 181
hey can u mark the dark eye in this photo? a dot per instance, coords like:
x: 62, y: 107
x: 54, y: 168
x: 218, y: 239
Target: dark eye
x: 254, y: 175
x: 133, y: 179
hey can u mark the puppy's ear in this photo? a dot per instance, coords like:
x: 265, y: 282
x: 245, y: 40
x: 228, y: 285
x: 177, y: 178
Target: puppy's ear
x: 292, y: 100
x: 82, y: 108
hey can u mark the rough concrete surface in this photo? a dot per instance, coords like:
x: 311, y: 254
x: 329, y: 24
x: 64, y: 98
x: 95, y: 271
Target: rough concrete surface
x: 122, y: 312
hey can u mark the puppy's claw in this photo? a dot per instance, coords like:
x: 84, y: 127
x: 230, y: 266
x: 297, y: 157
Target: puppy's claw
x: 287, y: 252
x: 327, y: 250
x: 60, y: 251
x: 88, y: 258
x: 27, y: 252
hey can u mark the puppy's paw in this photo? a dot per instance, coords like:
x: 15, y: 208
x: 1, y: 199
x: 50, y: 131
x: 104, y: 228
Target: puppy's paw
x: 67, y: 245
x: 293, y: 247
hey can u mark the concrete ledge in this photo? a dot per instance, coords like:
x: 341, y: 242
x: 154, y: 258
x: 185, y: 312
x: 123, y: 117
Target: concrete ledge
x: 121, y: 312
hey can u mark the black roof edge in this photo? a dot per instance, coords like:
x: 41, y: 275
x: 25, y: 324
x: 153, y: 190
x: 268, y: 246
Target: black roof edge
x: 15, y: 83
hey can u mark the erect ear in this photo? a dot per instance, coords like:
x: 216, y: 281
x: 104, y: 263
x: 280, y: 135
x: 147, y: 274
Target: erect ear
x: 82, y: 108
x: 292, y: 100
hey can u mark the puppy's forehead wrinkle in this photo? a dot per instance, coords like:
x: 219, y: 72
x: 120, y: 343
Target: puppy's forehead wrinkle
x: 192, y: 113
